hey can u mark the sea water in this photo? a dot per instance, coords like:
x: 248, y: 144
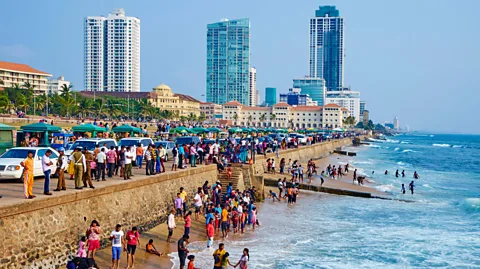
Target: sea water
x: 440, y: 229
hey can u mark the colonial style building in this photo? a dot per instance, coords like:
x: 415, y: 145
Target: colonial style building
x: 161, y: 96
x: 282, y: 115
x: 211, y: 110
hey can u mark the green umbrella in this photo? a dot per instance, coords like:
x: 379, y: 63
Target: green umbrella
x: 200, y: 130
x: 88, y: 128
x: 215, y: 130
x: 180, y: 130
x: 40, y: 127
x: 126, y: 129
x: 234, y: 130
x: 246, y: 130
x: 4, y: 127
x: 301, y: 131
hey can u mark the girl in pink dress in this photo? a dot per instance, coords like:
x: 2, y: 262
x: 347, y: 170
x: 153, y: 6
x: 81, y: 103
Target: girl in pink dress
x: 82, y: 252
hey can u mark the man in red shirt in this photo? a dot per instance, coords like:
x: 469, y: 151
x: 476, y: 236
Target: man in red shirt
x: 210, y: 233
x: 133, y: 238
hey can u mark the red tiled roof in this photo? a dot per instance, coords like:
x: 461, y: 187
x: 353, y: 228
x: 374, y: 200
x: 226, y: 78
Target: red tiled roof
x: 282, y: 104
x: 186, y: 97
x: 256, y: 108
x: 307, y: 108
x: 206, y: 103
x: 232, y: 103
x: 20, y: 68
x: 332, y: 105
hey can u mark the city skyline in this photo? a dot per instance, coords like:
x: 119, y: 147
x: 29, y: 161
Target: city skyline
x: 395, y: 64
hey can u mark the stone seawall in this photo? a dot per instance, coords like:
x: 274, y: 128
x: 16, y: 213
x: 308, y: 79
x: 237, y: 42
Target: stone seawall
x: 42, y: 234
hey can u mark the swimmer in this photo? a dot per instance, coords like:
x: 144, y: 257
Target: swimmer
x: 403, y: 173
x: 396, y: 173
x: 403, y: 188
x: 386, y: 172
x: 415, y: 175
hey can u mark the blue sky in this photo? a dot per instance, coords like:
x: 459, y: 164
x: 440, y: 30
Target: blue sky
x: 413, y: 59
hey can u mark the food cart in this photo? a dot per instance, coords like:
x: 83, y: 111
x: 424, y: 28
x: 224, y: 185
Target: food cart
x: 41, y: 131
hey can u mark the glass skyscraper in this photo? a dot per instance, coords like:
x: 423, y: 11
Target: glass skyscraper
x: 228, y: 61
x: 326, y: 47
x: 314, y: 87
x: 270, y: 96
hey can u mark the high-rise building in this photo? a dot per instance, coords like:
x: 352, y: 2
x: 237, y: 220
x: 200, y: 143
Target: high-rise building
x: 396, y: 123
x: 228, y: 61
x: 326, y: 47
x: 252, y: 88
x: 112, y: 53
x: 258, y: 98
x: 363, y: 106
x: 270, y: 96
x: 347, y: 99
x: 294, y: 97
x: 314, y: 87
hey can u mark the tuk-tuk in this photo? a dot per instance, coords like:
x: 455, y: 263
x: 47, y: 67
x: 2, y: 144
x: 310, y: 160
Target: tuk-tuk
x: 60, y: 140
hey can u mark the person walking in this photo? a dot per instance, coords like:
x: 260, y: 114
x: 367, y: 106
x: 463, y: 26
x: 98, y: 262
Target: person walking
x: 148, y: 159
x: 61, y: 167
x: 28, y: 170
x: 242, y: 263
x: 210, y: 232
x: 111, y: 161
x: 47, y: 171
x: 93, y: 234
x: 118, y: 243
x: 175, y: 158
x: 182, y: 250
x: 133, y: 239
x: 218, y: 256
x: 181, y: 152
x: 171, y: 225
x: 101, y: 159
x: 162, y: 153
x: 87, y: 175
x: 79, y: 167
x: 140, y: 153
x: 128, y: 164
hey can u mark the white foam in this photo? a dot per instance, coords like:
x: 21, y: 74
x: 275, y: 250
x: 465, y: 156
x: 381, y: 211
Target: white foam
x: 441, y: 145
x: 372, y: 146
x: 385, y: 188
x: 400, y: 163
x: 392, y: 141
x: 409, y: 150
x: 362, y: 162
x: 457, y: 146
x: 396, y: 149
x: 426, y: 186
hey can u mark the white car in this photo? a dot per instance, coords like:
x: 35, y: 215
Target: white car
x: 301, y: 138
x: 10, y: 161
x: 91, y: 143
x: 134, y: 141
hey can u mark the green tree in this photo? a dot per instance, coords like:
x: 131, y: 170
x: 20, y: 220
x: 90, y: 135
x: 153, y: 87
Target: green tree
x: 67, y: 104
x: 183, y: 118
x: 5, y: 104
x: 250, y: 118
x: 202, y: 117
x: 272, y: 118
x: 144, y: 107
x: 263, y: 118
x: 22, y: 102
x: 235, y: 118
x: 66, y: 90
x: 86, y: 107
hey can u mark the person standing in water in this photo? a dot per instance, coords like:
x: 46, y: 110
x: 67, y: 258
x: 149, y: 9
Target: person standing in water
x: 386, y: 172
x: 354, y: 176
x: 403, y: 173
x: 396, y: 173
x: 411, y: 186
x: 415, y: 175
x: 403, y: 188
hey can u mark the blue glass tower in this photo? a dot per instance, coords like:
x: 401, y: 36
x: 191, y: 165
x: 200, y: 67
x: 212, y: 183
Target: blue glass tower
x: 326, y: 47
x: 314, y: 87
x: 270, y: 96
x: 228, y: 61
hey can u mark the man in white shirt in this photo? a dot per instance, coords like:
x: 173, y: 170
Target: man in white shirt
x: 62, y: 165
x: 128, y: 163
x: 171, y: 225
x: 215, y: 148
x: 118, y: 243
x: 198, y: 204
x: 47, y: 170
x: 162, y: 153
x: 133, y: 151
x: 101, y: 159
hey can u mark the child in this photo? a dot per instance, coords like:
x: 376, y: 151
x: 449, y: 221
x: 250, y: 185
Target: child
x: 191, y: 259
x: 82, y: 252
x: 178, y: 205
x: 273, y: 195
x: 273, y: 166
x: 188, y: 222
x: 151, y: 248
x: 229, y: 173
x: 226, y: 261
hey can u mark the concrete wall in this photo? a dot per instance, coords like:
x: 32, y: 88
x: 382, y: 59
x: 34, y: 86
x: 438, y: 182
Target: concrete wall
x: 41, y: 234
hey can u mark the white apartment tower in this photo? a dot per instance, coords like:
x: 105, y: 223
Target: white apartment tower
x: 112, y: 53
x: 252, y: 87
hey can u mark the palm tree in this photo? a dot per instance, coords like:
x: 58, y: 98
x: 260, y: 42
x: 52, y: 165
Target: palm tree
x: 263, y: 118
x: 5, y: 103
x: 22, y: 102
x: 144, y: 107
x: 86, y: 107
x: 66, y: 90
x: 235, y: 118
x: 250, y: 120
x: 183, y: 118
x: 202, y: 117
x: 68, y: 103
x: 98, y: 106
x: 39, y: 104
x: 272, y: 118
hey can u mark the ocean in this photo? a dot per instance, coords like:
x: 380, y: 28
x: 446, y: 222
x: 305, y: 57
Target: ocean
x: 441, y: 229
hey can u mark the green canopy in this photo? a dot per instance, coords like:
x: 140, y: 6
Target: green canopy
x: 88, y: 128
x: 234, y: 130
x: 215, y: 129
x: 301, y: 131
x: 246, y: 130
x: 281, y: 131
x: 126, y: 129
x: 181, y: 130
x: 200, y: 130
x: 4, y: 127
x: 40, y: 127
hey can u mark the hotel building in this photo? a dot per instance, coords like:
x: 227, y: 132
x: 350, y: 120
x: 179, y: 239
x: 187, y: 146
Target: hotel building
x: 15, y: 73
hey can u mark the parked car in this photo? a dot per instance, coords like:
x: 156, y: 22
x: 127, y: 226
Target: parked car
x: 134, y: 141
x: 182, y: 140
x: 91, y: 143
x: 10, y: 161
x: 301, y: 138
x: 168, y: 146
